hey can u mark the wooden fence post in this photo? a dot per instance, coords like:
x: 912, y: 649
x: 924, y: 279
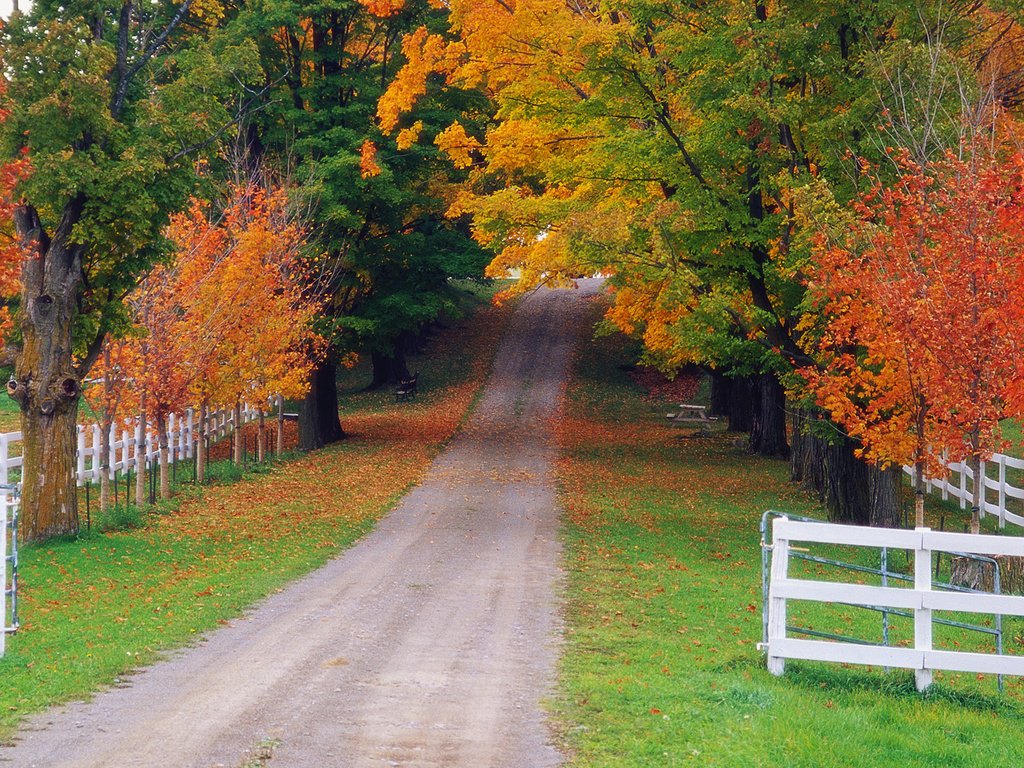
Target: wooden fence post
x: 777, y: 605
x: 922, y: 616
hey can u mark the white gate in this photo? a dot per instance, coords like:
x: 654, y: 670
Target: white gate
x: 920, y: 600
x: 9, y: 504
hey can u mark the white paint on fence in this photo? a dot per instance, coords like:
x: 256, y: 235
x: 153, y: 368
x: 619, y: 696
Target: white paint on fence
x: 959, y: 484
x: 131, y: 448
x: 8, y: 563
x: 923, y: 658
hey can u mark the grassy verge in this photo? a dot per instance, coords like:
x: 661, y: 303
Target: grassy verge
x: 96, y: 607
x: 661, y: 666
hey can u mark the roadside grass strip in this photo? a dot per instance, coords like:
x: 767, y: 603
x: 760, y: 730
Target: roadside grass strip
x: 661, y: 666
x: 97, y: 607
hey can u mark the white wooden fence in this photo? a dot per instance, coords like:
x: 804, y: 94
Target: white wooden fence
x: 128, y: 447
x: 921, y: 600
x: 959, y: 484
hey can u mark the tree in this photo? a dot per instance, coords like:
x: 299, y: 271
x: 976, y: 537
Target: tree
x: 113, y: 124
x: 921, y: 315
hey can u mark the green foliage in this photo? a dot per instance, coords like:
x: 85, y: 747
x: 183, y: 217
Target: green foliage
x: 393, y: 250
x: 129, y: 161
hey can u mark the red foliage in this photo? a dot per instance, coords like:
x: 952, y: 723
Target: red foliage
x: 920, y: 346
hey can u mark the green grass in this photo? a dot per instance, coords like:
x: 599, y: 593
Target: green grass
x: 664, y: 613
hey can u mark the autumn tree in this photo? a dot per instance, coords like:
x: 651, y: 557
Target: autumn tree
x: 922, y: 312
x: 113, y: 109
x: 672, y: 147
x: 241, y: 298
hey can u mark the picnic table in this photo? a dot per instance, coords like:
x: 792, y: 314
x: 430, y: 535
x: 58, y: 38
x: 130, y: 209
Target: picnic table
x: 688, y: 414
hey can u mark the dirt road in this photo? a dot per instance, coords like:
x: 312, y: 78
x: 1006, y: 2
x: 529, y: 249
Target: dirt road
x: 430, y: 643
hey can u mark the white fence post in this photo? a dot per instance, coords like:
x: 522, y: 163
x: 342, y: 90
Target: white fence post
x: 1002, y: 491
x: 777, y: 609
x: 5, y: 447
x: 80, y: 456
x: 922, y: 615
x: 97, y: 457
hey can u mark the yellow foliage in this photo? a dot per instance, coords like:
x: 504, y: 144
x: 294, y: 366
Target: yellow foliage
x: 409, y: 136
x: 457, y: 144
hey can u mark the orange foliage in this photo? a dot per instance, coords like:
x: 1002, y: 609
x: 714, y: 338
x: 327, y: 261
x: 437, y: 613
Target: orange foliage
x: 228, y: 320
x: 920, y: 352
x: 368, y: 160
x: 243, y: 299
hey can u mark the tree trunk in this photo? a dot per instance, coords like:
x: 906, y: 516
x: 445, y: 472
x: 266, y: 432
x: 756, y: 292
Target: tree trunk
x: 105, y: 465
x: 319, y: 424
x: 46, y: 385
x: 919, y: 494
x: 721, y: 386
x: 204, y: 417
x: 741, y: 404
x: 978, y: 492
x: 238, y: 435
x: 884, y: 496
x: 803, y: 459
x: 261, y: 438
x: 165, y: 482
x: 768, y: 428
x: 141, y: 449
x: 846, y: 484
x: 388, y: 370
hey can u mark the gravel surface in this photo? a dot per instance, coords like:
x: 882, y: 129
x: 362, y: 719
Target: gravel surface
x: 432, y: 642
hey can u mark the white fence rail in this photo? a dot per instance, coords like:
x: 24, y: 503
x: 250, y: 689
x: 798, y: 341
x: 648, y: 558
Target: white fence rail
x: 128, y: 447
x: 921, y: 600
x: 959, y: 484
x: 8, y: 563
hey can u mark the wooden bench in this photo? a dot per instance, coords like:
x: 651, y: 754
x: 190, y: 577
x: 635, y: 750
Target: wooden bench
x: 407, y: 388
x: 688, y: 414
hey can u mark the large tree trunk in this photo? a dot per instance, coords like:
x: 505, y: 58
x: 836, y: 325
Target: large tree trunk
x: 165, y: 481
x: 46, y: 385
x: 852, y: 490
x: 768, y: 431
x: 846, y: 484
x: 388, y: 369
x: 740, y: 403
x: 319, y: 424
x: 721, y: 386
x: 884, y: 496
